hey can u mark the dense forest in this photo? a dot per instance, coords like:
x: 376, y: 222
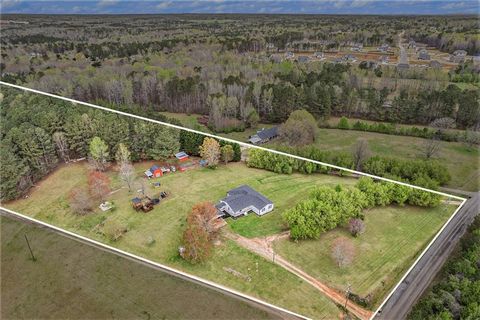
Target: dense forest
x: 456, y: 293
x: 222, y: 66
x: 39, y: 133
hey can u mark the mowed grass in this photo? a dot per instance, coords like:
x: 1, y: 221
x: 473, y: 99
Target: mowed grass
x: 462, y: 162
x: 157, y: 234
x: 394, y: 237
x: 187, y: 120
x: 71, y: 280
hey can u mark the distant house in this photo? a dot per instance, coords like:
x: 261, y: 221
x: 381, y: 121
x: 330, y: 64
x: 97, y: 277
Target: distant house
x: 289, y: 54
x: 435, y: 64
x: 303, y: 59
x: 349, y: 58
x: 182, y: 156
x: 383, y: 59
x: 319, y: 55
x: 458, y: 56
x: 384, y: 48
x: 368, y: 64
x: 357, y: 47
x: 240, y: 201
x: 264, y: 135
x: 276, y: 58
x: 423, y: 55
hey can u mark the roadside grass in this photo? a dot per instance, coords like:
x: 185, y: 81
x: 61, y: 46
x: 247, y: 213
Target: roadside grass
x: 394, y: 237
x: 72, y: 280
x: 157, y: 234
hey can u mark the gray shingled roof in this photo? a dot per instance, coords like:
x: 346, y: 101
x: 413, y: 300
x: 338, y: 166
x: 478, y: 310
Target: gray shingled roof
x: 243, y: 197
x: 268, y: 133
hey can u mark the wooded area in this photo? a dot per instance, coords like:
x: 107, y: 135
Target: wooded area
x: 223, y: 67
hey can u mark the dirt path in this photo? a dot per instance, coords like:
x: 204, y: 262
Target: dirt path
x: 263, y: 247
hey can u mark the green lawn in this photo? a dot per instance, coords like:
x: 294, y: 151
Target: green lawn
x: 71, y: 280
x: 157, y: 234
x: 461, y: 161
x: 465, y: 176
x: 393, y: 238
x: 187, y: 120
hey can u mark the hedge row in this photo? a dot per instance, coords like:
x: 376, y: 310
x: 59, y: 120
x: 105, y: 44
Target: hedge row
x: 390, y: 128
x: 427, y: 172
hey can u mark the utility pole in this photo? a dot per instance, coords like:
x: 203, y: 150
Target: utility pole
x: 29, y: 248
x: 347, y: 294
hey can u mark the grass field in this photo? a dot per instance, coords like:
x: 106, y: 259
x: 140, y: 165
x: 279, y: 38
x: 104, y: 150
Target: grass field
x: 70, y: 280
x: 393, y: 238
x: 465, y: 176
x: 461, y: 162
x: 157, y: 234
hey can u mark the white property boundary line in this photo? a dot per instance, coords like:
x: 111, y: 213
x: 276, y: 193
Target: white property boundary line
x: 176, y: 272
x: 418, y: 259
x: 245, y: 145
x: 226, y: 139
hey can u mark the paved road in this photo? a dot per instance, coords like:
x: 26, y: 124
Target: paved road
x: 418, y: 280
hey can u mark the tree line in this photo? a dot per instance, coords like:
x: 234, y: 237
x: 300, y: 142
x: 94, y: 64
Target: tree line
x: 425, y: 173
x: 40, y: 132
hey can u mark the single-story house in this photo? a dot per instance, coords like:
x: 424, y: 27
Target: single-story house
x: 458, y: 56
x: 264, y: 135
x: 435, y: 64
x: 383, y: 48
x: 383, y: 59
x: 423, y: 55
x: 240, y: 201
x: 182, y: 156
x: 303, y: 59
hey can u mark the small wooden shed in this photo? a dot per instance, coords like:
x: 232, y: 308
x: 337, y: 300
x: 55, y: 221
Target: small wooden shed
x: 156, y: 171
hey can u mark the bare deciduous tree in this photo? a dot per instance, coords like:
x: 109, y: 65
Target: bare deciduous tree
x: 127, y: 174
x: 80, y: 201
x: 431, y: 146
x: 343, y: 251
x: 360, y: 153
x: 62, y: 145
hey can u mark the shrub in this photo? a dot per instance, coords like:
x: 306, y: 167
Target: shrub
x: 80, y: 201
x: 356, y: 227
x: 343, y: 124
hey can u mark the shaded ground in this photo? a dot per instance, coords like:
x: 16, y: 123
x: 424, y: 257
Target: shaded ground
x: 71, y: 280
